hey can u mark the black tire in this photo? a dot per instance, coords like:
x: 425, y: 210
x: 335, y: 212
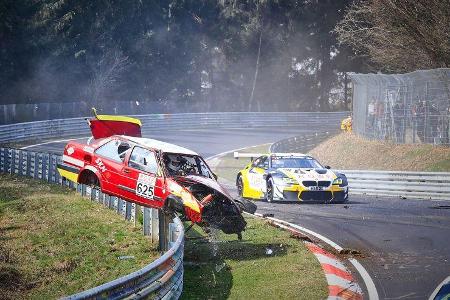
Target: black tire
x: 269, y: 192
x: 240, y: 185
x: 246, y: 205
x: 93, y: 182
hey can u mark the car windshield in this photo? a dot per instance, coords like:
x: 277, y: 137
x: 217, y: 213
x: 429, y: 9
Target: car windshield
x: 295, y: 162
x: 182, y: 165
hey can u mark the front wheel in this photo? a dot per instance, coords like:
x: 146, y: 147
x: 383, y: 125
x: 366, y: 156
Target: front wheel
x: 269, y: 194
x: 240, y: 185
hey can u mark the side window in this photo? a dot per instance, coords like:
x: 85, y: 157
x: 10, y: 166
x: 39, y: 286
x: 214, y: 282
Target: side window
x: 263, y: 163
x: 110, y: 150
x: 143, y: 159
x: 204, y: 168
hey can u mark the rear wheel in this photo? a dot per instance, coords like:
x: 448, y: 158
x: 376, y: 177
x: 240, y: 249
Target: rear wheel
x: 269, y: 194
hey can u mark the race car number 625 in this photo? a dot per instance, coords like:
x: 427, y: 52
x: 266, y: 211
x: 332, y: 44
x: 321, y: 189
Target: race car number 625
x: 145, y: 186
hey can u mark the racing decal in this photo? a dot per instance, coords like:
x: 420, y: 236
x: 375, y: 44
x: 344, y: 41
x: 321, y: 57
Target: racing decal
x: 100, y: 165
x: 73, y: 161
x: 145, y: 186
x: 255, y: 181
x: 70, y: 150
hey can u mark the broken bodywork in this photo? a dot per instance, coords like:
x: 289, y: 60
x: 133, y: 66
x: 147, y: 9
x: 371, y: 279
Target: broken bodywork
x: 152, y: 173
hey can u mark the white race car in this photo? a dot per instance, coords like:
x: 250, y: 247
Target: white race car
x: 290, y: 177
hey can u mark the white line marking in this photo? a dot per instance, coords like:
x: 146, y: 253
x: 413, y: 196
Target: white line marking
x: 370, y: 285
x: 317, y: 235
x: 436, y: 291
x: 231, y: 151
x: 49, y: 142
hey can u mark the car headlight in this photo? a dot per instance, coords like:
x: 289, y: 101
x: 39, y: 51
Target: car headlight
x: 338, y: 181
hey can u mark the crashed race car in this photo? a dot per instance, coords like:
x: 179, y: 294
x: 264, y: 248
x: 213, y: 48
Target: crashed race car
x: 290, y: 177
x: 151, y: 173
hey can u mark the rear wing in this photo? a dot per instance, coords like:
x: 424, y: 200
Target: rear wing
x: 103, y: 126
x: 252, y: 156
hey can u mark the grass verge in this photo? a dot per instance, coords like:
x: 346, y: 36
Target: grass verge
x: 266, y: 264
x: 349, y: 151
x: 228, y: 167
x: 55, y: 243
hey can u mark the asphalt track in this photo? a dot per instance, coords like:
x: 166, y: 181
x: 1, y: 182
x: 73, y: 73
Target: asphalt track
x: 403, y: 244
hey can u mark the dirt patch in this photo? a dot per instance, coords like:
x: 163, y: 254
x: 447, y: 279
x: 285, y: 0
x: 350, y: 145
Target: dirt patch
x: 349, y: 151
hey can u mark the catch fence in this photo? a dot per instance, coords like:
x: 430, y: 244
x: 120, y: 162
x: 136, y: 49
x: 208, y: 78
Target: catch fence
x: 403, y: 108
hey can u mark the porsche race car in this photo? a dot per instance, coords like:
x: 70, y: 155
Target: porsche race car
x: 151, y: 173
x: 291, y: 177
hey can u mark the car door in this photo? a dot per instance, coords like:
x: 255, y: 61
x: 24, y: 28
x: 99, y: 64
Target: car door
x: 109, y: 160
x: 256, y: 182
x: 143, y: 182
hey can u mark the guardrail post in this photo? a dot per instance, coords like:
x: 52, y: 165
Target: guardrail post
x: 2, y: 160
x: 20, y: 163
x: 13, y: 162
x: 164, y: 238
x: 127, y: 211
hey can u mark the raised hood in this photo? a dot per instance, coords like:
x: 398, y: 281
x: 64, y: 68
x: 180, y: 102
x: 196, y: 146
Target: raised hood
x: 103, y: 126
x: 209, y: 183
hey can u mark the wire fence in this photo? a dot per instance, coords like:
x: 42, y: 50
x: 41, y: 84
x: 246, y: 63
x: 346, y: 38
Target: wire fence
x: 403, y: 108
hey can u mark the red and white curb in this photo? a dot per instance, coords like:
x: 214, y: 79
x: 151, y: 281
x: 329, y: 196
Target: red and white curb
x: 341, y: 283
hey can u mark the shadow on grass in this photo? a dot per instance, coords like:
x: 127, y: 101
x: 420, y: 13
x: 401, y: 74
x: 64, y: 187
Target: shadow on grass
x: 206, y: 272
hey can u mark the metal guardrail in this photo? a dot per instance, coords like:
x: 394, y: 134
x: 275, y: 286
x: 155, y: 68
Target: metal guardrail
x: 302, y: 143
x: 321, y: 121
x: 162, y: 278
x: 425, y: 185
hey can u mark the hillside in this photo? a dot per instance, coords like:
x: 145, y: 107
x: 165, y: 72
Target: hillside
x: 348, y: 151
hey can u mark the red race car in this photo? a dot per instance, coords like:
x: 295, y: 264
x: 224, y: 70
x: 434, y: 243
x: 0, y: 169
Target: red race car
x: 151, y: 173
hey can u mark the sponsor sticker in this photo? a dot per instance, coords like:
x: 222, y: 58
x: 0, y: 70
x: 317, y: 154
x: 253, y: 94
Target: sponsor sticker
x: 255, y: 181
x: 145, y: 186
x: 70, y: 150
x: 100, y: 165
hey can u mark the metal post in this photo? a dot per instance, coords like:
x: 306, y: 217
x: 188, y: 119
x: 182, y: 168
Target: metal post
x: 12, y: 162
x: 164, y: 221
x: 127, y: 211
x: 147, y: 221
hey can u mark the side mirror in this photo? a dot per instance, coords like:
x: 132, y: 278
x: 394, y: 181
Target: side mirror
x: 327, y: 167
x: 215, y: 176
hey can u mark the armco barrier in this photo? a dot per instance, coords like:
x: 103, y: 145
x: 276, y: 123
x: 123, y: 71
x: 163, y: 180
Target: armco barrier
x: 301, y: 144
x: 320, y: 121
x: 425, y: 185
x: 162, y: 278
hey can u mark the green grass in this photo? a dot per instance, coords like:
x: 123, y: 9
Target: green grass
x: 55, y: 243
x: 228, y: 166
x: 225, y: 268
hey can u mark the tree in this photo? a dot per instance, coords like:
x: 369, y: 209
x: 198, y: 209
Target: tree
x: 399, y: 35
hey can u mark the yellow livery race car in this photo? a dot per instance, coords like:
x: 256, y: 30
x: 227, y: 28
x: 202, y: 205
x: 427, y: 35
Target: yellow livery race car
x: 291, y: 177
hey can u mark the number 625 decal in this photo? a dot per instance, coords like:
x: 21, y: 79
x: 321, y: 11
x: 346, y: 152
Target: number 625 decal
x: 145, y: 186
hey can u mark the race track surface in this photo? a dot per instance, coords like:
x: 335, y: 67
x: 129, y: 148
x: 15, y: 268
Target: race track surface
x: 403, y: 244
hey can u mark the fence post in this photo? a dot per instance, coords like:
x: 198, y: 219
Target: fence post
x: 12, y: 162
x: 127, y: 210
x: 164, y: 221
x: 2, y: 160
